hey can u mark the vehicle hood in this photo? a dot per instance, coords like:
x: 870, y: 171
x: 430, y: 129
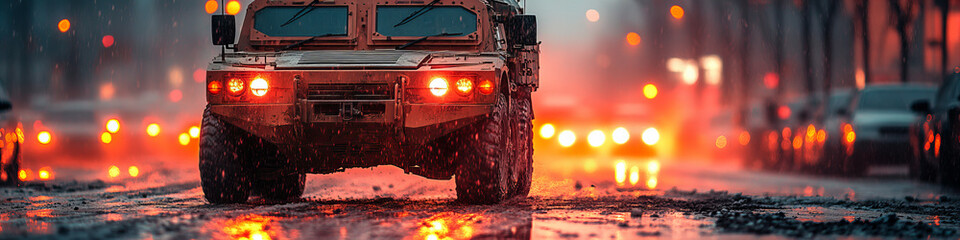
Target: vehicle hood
x: 351, y: 59
x: 883, y: 118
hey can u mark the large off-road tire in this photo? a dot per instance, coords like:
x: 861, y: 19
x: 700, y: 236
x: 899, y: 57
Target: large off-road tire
x: 225, y: 171
x: 483, y: 170
x: 522, y: 135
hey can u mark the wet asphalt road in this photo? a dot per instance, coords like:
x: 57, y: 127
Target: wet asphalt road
x: 600, y: 198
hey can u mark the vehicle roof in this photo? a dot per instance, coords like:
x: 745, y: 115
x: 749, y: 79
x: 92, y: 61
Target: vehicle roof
x: 903, y: 86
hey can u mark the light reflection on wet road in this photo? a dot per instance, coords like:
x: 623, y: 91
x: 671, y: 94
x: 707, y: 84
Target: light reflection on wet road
x: 600, y: 197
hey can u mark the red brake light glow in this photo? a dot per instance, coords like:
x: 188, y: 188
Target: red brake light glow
x: 259, y: 86
x: 485, y: 87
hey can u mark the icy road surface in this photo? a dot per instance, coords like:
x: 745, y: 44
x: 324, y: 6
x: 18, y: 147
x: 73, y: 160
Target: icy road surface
x: 609, y: 198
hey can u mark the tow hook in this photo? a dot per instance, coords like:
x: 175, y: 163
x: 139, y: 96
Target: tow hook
x: 349, y: 112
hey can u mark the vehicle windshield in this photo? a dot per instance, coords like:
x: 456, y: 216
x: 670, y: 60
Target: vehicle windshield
x: 270, y: 21
x: 838, y: 101
x: 433, y: 20
x: 898, y: 99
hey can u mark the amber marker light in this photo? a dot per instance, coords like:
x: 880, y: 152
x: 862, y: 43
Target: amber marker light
x: 485, y: 87
x: 650, y: 91
x: 45, y: 173
x: 63, y: 25
x: 106, y: 138
x: 259, y: 86
x: 113, y: 125
x: 153, y: 130
x: 214, y: 87
x: 211, y: 6
x: 235, y: 85
x: 233, y: 7
x: 464, y: 86
x: 438, y: 86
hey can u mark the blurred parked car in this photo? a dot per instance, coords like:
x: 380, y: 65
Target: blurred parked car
x: 934, y: 133
x: 880, y: 120
x: 12, y: 135
x: 834, y: 150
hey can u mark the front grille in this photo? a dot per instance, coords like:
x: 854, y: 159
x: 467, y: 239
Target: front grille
x: 377, y: 91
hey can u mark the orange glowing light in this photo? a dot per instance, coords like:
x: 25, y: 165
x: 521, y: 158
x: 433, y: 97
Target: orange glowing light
x: 113, y: 125
x: 566, y: 138
x: 593, y: 15
x: 438, y: 86
x: 113, y: 171
x: 259, y: 86
x: 63, y: 25
x: 744, y: 138
x: 233, y: 7
x: 721, y: 142
x: 23, y: 175
x: 184, y: 139
x: 485, y: 87
x: 676, y: 12
x: 811, y: 131
x: 194, y: 132
x: 797, y: 142
x: 211, y: 6
x: 19, y: 135
x: 633, y: 39
x: 786, y: 132
x: 652, y: 182
x: 620, y: 172
x: 235, y: 85
x: 214, y: 87
x: 650, y: 91
x: 107, y: 41
x: 547, y: 131
x: 847, y: 128
x: 447, y: 226
x: 650, y: 136
x: 620, y: 135
x: 134, y: 171
x: 464, y: 86
x: 850, y: 137
x: 44, y: 173
x: 153, y: 129
x: 634, y: 175
x: 106, y: 138
x: 596, y: 138
x: 44, y: 137
x: 821, y: 136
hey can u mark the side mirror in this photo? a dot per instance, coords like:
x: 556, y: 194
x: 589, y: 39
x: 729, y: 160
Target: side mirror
x: 224, y: 29
x: 522, y: 30
x: 921, y: 106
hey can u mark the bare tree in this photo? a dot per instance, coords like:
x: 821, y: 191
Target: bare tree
x: 828, y: 11
x: 903, y: 16
x: 863, y: 14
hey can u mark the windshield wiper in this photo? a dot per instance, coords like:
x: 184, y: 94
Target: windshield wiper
x: 417, y: 13
x: 301, y: 42
x: 411, y: 43
x: 298, y: 15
